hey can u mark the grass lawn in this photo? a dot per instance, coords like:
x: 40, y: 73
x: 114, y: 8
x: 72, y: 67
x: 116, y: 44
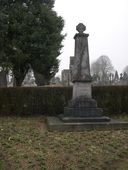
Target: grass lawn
x: 26, y: 144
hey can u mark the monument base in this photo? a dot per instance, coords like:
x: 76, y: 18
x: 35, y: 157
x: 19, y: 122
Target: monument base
x: 81, y: 114
x: 56, y: 124
x: 82, y: 107
x: 82, y: 89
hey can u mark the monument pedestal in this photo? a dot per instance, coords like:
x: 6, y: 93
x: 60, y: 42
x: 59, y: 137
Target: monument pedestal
x: 82, y: 89
x: 83, y: 109
x: 83, y: 114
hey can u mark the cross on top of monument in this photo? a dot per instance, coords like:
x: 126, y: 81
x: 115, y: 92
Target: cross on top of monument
x: 80, y: 27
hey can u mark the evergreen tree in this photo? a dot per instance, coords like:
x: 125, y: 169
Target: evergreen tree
x: 30, y: 34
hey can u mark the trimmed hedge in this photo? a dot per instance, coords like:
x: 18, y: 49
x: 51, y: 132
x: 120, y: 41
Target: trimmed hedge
x: 114, y: 99
x: 33, y: 100
x: 51, y: 100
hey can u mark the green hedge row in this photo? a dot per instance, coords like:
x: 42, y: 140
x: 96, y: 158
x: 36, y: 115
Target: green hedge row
x: 51, y: 100
x: 113, y: 99
x: 33, y: 100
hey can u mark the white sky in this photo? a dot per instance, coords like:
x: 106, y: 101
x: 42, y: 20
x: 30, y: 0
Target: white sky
x: 107, y: 24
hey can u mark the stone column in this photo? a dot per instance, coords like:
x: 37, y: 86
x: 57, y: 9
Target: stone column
x: 81, y: 70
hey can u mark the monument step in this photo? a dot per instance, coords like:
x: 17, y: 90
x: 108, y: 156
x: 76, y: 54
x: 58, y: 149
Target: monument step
x: 55, y: 124
x: 82, y: 101
x: 82, y: 112
x: 84, y: 119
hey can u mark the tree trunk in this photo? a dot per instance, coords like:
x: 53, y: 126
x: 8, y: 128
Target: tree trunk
x: 18, y: 81
x: 40, y: 79
x: 18, y: 77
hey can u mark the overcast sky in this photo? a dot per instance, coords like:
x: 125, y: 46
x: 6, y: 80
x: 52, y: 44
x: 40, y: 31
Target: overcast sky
x: 107, y: 24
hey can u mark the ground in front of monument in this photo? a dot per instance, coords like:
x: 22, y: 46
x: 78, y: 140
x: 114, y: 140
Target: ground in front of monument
x: 25, y: 143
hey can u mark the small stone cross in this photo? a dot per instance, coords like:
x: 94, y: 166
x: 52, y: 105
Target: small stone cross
x: 80, y: 28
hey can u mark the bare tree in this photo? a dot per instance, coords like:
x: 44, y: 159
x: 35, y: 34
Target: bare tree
x: 125, y: 75
x: 102, y: 67
x: 125, y: 69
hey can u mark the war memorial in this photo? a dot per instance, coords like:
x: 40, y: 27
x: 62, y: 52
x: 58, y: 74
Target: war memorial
x: 82, y: 112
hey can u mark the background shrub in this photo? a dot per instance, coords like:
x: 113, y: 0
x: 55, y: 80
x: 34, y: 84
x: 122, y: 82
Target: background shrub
x: 113, y: 99
x: 33, y: 100
x: 51, y: 100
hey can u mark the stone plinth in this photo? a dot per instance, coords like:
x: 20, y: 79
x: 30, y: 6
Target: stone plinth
x: 82, y: 89
x: 83, y: 109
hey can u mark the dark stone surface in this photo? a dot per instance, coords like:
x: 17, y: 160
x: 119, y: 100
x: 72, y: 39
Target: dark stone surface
x: 55, y: 124
x: 82, y: 107
x: 84, y: 119
x: 82, y: 112
x: 81, y: 67
x: 82, y: 101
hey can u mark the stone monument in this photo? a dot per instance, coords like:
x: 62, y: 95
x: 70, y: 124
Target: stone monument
x: 82, y: 112
x: 82, y: 107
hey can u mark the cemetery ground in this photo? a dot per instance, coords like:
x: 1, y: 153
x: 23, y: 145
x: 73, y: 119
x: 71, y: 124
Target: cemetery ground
x: 25, y: 143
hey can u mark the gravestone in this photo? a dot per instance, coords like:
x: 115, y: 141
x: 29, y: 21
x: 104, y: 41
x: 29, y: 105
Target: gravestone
x: 82, y: 112
x: 29, y: 80
x: 65, y: 74
x: 71, y: 64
